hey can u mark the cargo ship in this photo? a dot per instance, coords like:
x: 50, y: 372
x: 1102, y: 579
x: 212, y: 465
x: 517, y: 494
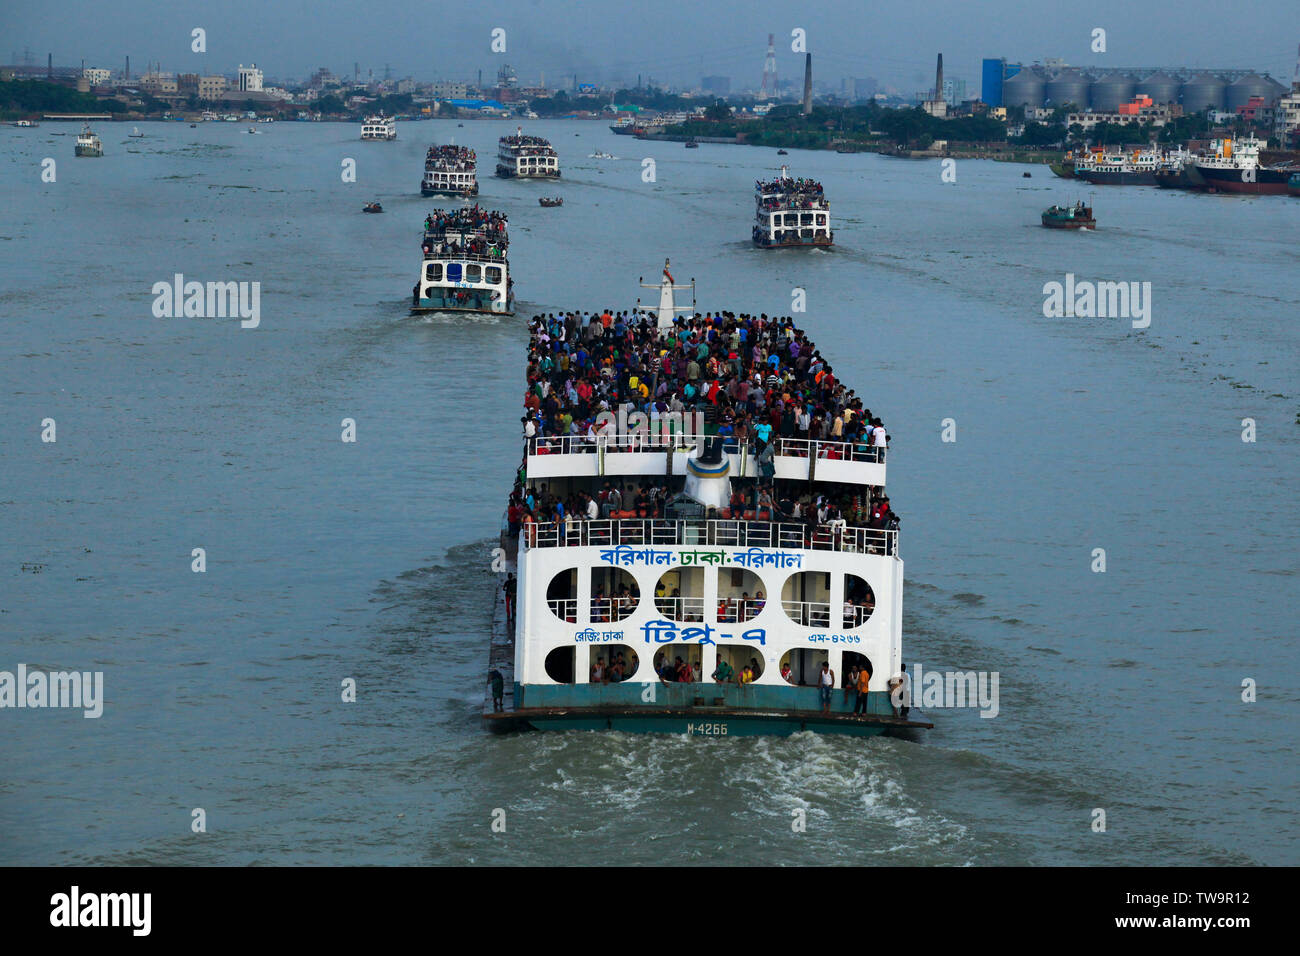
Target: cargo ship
x: 791, y: 212
x: 1100, y: 168
x: 1177, y: 170
x: 678, y: 566
x: 450, y: 171
x: 1234, y: 167
x: 379, y: 129
x: 463, y: 266
x: 526, y: 157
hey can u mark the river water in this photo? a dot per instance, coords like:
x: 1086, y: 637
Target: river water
x: 327, y: 560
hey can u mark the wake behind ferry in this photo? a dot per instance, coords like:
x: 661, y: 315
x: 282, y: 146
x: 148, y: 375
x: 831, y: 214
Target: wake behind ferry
x: 464, y: 266
x: 699, y: 540
x: 791, y: 212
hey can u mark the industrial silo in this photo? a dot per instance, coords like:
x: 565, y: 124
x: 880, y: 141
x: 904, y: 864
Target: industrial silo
x: 1025, y: 89
x: 1109, y: 91
x: 1240, y: 92
x: 1068, y: 87
x: 1203, y: 91
x: 1161, y: 87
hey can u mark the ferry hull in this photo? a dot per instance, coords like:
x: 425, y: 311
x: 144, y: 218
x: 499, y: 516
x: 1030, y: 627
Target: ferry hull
x: 712, y: 724
x: 427, y: 306
x: 1268, y: 182
x: 1185, y: 178
x: 1064, y: 170
x: 1115, y: 178
x: 459, y: 193
x: 822, y: 243
x: 505, y: 173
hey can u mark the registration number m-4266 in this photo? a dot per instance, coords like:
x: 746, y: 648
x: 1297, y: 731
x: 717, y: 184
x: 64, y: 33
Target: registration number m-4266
x: 713, y: 730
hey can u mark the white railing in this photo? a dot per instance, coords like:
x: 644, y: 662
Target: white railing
x: 782, y: 447
x: 566, y: 609
x: 808, y: 613
x: 734, y: 610
x: 607, y: 610
x: 649, y: 532
x: 855, y: 615
x: 684, y: 609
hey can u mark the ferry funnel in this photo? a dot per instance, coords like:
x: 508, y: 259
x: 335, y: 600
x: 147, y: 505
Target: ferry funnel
x: 707, y: 475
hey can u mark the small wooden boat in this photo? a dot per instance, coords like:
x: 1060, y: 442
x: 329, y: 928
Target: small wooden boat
x: 1077, y: 216
x: 372, y: 207
x: 194, y: 126
x: 691, y: 144
x: 782, y: 152
x: 1027, y: 176
x: 557, y: 201
x: 135, y: 133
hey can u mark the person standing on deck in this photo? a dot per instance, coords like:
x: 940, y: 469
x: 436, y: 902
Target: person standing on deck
x: 826, y: 683
x: 864, y: 678
x: 498, y: 691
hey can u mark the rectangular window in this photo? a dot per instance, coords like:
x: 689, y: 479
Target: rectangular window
x: 433, y: 272
x: 473, y: 273
x: 494, y: 275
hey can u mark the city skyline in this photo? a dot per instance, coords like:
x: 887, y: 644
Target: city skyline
x: 613, y: 45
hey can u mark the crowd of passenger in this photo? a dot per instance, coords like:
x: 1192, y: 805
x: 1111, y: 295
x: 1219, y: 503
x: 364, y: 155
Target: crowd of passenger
x: 760, y: 380
x: 491, y: 240
x: 528, y: 145
x: 457, y: 159
x: 794, y: 194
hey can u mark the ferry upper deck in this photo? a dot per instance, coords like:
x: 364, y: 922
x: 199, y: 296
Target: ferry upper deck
x: 613, y: 401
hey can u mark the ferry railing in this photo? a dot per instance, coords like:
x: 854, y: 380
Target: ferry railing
x: 738, y: 610
x: 566, y: 609
x: 856, y: 615
x: 808, y: 613
x: 607, y: 610
x: 717, y: 532
x: 683, y: 609
x: 496, y: 260
x: 651, y: 442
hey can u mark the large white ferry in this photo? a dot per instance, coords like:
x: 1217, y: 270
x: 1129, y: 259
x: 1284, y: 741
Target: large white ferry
x: 450, y: 171
x: 526, y: 157
x: 791, y: 212
x: 664, y: 574
x: 88, y: 144
x: 464, y: 266
x: 379, y: 128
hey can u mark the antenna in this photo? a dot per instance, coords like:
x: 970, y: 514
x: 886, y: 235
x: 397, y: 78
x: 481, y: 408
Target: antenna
x: 768, y: 88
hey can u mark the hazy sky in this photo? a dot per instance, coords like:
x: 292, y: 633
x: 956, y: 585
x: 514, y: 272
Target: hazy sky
x: 674, y: 41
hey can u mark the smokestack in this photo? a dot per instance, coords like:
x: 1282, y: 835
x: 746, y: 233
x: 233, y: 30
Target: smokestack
x: 128, y: 69
x: 938, y: 79
x: 49, y: 66
x: 807, y: 84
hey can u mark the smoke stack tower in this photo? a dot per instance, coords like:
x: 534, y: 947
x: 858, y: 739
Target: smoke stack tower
x: 128, y: 69
x: 807, y: 84
x: 938, y: 79
x: 768, y: 88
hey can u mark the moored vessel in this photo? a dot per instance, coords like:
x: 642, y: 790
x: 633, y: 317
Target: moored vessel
x: 1177, y: 170
x: 791, y: 212
x: 682, y: 564
x: 1077, y: 216
x: 450, y: 170
x: 1234, y: 167
x: 526, y: 157
x: 379, y: 129
x: 1293, y: 184
x: 88, y: 144
x: 1136, y: 168
x: 464, y: 266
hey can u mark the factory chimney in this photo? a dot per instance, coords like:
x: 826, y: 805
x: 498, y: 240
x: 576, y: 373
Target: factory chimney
x: 128, y: 69
x: 49, y: 66
x: 938, y: 79
x: 807, y: 84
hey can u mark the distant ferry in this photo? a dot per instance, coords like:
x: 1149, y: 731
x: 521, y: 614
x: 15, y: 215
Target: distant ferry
x: 464, y: 266
x: 526, y: 157
x: 1235, y: 168
x: 379, y: 128
x: 88, y: 143
x: 450, y: 171
x: 678, y: 578
x: 1137, y: 168
x: 26, y: 124
x: 791, y: 212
